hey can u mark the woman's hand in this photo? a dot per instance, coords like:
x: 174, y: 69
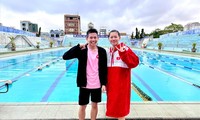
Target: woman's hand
x: 121, y: 47
x: 82, y: 46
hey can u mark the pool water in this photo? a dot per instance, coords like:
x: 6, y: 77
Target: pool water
x: 162, y: 77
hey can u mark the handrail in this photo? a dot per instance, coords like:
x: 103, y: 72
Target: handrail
x: 7, y: 83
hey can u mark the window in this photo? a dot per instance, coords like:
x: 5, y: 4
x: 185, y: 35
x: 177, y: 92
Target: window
x: 71, y: 24
x: 71, y: 30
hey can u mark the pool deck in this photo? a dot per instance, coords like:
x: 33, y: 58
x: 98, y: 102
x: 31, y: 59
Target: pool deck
x: 69, y: 111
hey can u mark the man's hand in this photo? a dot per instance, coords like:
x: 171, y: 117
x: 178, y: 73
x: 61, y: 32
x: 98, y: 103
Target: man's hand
x: 103, y: 88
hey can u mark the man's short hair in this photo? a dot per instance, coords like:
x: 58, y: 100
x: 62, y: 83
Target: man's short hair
x: 92, y: 30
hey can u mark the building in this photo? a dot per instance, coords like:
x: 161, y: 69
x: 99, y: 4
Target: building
x: 191, y: 26
x: 56, y: 33
x: 90, y: 25
x: 72, y: 24
x: 102, y: 30
x: 28, y: 26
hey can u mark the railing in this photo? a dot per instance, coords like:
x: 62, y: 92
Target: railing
x: 176, y: 43
x: 16, y: 31
x: 7, y: 84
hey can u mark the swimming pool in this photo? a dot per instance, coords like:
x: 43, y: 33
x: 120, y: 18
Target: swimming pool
x: 163, y: 77
x: 168, y: 77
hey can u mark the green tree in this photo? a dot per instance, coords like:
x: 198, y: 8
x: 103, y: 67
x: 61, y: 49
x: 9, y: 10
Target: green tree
x: 51, y: 44
x: 174, y: 27
x: 13, y: 45
x: 194, y: 47
x: 132, y: 36
x: 142, y: 34
x: 38, y: 45
x: 160, y: 45
x: 156, y: 33
x: 137, y: 34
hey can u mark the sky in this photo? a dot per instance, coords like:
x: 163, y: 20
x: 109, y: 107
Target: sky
x: 123, y: 15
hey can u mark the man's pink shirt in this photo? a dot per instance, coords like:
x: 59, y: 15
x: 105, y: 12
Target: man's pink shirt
x: 93, y: 81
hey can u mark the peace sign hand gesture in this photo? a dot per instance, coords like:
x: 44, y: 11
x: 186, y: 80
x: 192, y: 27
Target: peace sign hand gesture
x: 121, y: 47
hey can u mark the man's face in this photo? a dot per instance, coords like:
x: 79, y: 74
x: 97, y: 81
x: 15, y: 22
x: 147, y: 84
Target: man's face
x: 92, y: 39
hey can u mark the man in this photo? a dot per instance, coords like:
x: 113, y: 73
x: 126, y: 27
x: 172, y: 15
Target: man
x: 92, y: 72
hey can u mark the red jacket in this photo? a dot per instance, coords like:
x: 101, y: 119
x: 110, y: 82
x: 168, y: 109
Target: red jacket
x: 119, y: 81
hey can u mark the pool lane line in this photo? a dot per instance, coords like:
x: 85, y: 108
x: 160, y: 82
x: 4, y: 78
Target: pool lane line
x: 15, y: 63
x: 196, y: 85
x: 155, y: 95
x: 141, y: 93
x: 177, y: 77
x: 20, y: 62
x: 181, y: 66
x: 19, y: 76
x: 47, y: 64
x: 16, y: 78
x: 184, y: 60
x: 175, y: 58
x: 55, y: 83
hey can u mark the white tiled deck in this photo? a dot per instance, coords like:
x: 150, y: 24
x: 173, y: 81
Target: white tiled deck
x: 69, y: 111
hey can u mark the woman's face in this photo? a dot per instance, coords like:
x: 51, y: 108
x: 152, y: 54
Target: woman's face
x: 114, y: 38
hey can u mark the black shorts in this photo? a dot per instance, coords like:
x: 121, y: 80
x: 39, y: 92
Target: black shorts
x: 84, y: 95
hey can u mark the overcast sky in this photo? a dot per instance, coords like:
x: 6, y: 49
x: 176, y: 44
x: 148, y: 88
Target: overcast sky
x: 124, y: 15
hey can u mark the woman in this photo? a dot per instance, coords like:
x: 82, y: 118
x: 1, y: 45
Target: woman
x: 120, y: 61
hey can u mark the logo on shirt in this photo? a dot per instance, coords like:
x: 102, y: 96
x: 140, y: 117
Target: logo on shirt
x: 118, y: 58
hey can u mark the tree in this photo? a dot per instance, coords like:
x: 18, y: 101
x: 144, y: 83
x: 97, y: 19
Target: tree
x: 51, y: 44
x: 137, y: 34
x: 168, y: 29
x: 142, y: 34
x: 13, y: 45
x: 38, y: 45
x: 174, y: 27
x: 194, y: 47
x: 156, y: 33
x: 132, y: 36
x: 160, y: 45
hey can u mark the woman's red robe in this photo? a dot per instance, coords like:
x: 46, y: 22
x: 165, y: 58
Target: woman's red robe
x: 119, y: 81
